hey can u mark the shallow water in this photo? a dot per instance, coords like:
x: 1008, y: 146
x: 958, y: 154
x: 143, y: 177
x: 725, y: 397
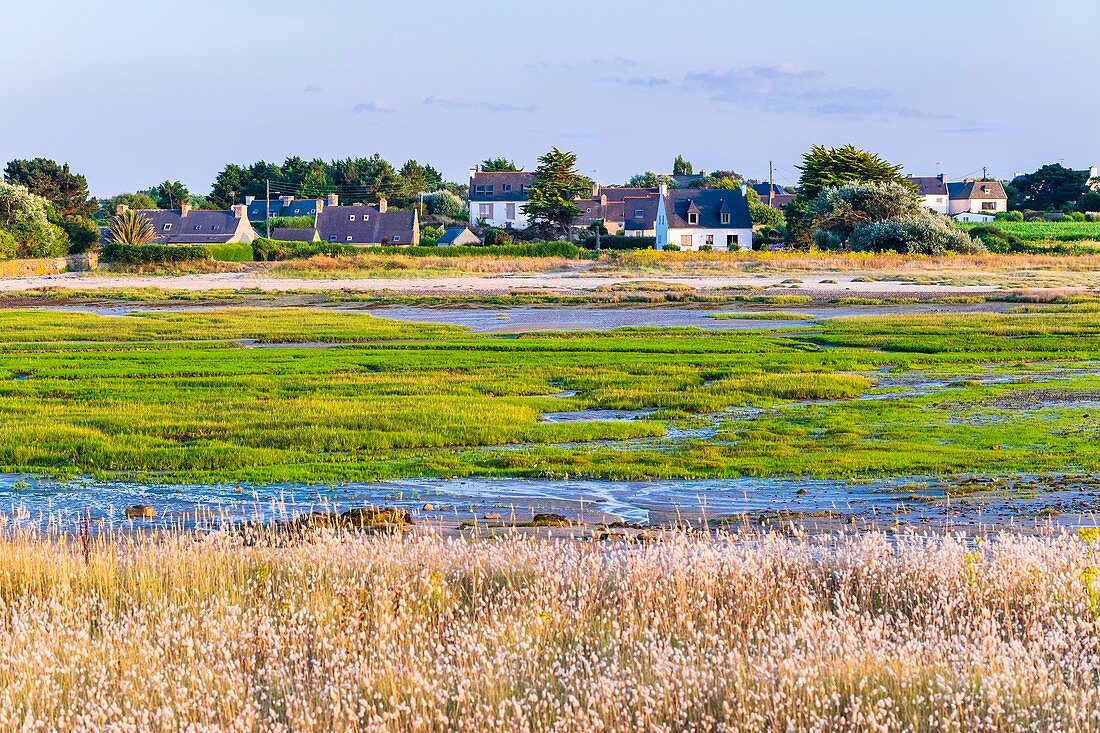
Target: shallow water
x: 1025, y: 503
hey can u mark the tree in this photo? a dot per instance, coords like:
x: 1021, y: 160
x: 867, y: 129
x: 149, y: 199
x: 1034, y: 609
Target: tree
x: 316, y: 182
x: 833, y: 167
x: 761, y: 213
x: 139, y: 200
x: 130, y: 227
x: 25, y: 217
x: 649, y: 179
x: 67, y: 191
x: 551, y: 195
x: 681, y: 167
x: 498, y: 165
x: 1089, y: 202
x: 170, y: 194
x: 444, y: 203
x: 841, y: 211
x: 228, y: 186
x: 927, y: 234
x: 414, y: 181
x: 1050, y: 188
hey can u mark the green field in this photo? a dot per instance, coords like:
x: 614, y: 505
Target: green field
x: 1048, y: 231
x: 174, y: 396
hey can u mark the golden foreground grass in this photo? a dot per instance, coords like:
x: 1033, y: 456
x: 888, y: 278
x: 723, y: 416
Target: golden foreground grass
x: 422, y: 633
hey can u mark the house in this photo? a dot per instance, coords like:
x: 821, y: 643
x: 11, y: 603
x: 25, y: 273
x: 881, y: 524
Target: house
x: 363, y: 224
x: 772, y: 194
x: 282, y: 206
x: 974, y: 217
x: 621, y: 210
x: 196, y: 226
x: 457, y: 236
x: 983, y: 197
x: 287, y: 234
x: 696, y: 218
x: 932, y: 191
x: 497, y: 199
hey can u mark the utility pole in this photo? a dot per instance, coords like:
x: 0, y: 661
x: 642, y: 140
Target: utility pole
x: 771, y: 183
x: 985, y: 174
x: 267, y: 211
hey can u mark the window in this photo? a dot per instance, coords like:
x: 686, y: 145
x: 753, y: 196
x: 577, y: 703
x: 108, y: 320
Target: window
x: 216, y: 227
x: 725, y: 218
x: 396, y: 238
x: 510, y: 211
x: 710, y: 240
x: 483, y: 190
x: 332, y: 238
x: 351, y: 217
x: 349, y: 238
x: 693, y: 218
x: 197, y: 227
x: 685, y: 240
x: 506, y: 187
x: 485, y: 211
x: 939, y: 199
x: 588, y: 210
x: 989, y: 206
x: 312, y: 211
x: 167, y: 227
x: 639, y: 214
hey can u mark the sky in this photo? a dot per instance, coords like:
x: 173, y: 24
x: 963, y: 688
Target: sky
x: 133, y: 92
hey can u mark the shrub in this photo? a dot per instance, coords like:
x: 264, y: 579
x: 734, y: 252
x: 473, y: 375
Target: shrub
x: 1009, y: 216
x: 25, y: 216
x: 165, y: 254
x: 672, y: 247
x: 496, y: 236
x: 83, y: 233
x: 8, y: 245
x: 619, y: 242
x: 268, y: 250
x: 444, y: 203
x: 928, y: 235
x: 998, y: 240
x: 292, y: 222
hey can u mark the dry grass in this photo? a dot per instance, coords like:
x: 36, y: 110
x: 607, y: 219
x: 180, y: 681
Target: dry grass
x: 421, y: 633
x: 390, y: 265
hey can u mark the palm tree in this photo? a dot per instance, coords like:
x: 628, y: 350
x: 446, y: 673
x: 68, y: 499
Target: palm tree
x: 130, y: 227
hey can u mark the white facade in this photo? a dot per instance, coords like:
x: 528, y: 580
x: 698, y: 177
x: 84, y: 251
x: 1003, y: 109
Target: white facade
x: 977, y: 206
x: 973, y: 217
x: 502, y: 214
x: 938, y: 202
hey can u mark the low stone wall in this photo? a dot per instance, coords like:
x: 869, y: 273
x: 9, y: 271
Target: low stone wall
x: 49, y: 266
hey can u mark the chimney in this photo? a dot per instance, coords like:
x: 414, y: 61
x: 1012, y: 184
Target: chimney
x: 595, y: 190
x: 248, y: 200
x: 1094, y: 171
x: 332, y: 200
x: 603, y: 199
x: 382, y: 205
x: 473, y: 171
x: 240, y: 211
x: 663, y: 189
x: 320, y: 204
x: 285, y: 200
x: 121, y: 209
x: 744, y: 189
x: 185, y: 208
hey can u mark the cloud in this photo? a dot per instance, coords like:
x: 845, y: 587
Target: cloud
x: 374, y: 106
x: 587, y: 65
x: 637, y: 81
x: 792, y: 89
x: 459, y: 103
x: 312, y: 89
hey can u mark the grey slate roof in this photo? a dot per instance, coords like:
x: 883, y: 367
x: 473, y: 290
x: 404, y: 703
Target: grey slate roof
x: 288, y: 234
x: 365, y: 225
x: 710, y: 203
x: 510, y: 186
x: 977, y: 190
x: 297, y: 207
x: 931, y: 185
x: 648, y: 206
x: 198, y: 227
x: 452, y: 234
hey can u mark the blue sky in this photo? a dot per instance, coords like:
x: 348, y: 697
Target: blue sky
x: 131, y: 92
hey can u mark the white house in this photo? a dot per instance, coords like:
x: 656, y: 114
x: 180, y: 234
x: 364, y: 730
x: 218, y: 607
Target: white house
x: 498, y: 199
x: 695, y: 218
x: 973, y: 217
x: 979, y: 197
x: 933, y: 191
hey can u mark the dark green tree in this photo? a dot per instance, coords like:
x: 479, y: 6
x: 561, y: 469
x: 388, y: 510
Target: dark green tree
x: 498, y: 165
x: 1051, y: 188
x: 551, y: 195
x: 824, y: 167
x: 414, y: 180
x: 649, y: 179
x: 67, y: 191
x: 681, y: 167
x: 170, y: 194
x: 228, y: 187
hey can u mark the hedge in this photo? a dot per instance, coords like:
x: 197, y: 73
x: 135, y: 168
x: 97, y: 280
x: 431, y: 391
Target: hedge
x: 161, y: 254
x: 270, y: 250
x: 615, y: 241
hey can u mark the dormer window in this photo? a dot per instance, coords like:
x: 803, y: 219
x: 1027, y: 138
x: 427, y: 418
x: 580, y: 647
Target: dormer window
x: 725, y: 218
x: 396, y: 238
x: 693, y: 218
x: 506, y: 187
x: 349, y: 238
x: 639, y: 214
x: 482, y: 189
x: 332, y: 238
x: 351, y: 217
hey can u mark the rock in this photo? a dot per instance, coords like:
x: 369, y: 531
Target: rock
x: 429, y: 508
x: 141, y: 511
x: 494, y: 517
x: 802, y: 492
x: 550, y: 520
x: 376, y: 517
x: 328, y: 520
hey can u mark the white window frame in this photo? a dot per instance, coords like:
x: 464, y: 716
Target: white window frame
x: 167, y: 228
